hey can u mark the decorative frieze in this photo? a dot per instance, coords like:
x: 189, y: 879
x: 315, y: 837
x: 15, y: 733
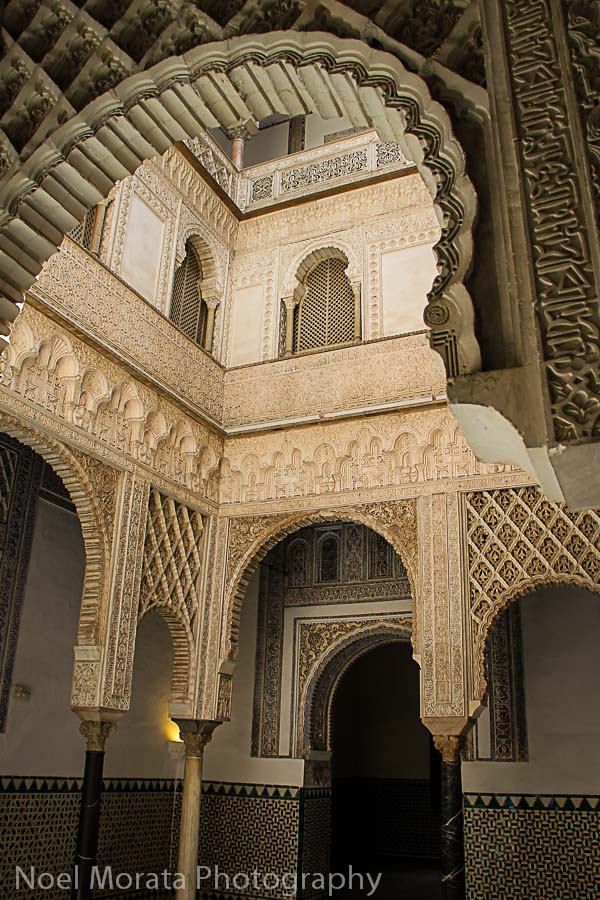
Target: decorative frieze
x: 439, y: 638
x: 367, y: 570
x: 506, y: 688
x: 119, y: 320
x: 324, y: 651
x: 51, y: 369
x: 561, y: 219
x: 215, y: 161
x: 352, y: 158
x: 581, y: 21
x: 251, y: 537
x: 343, y: 457
x: 126, y: 574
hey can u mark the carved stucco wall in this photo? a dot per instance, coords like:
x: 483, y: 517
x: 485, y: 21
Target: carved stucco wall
x: 248, y: 539
x: 431, y: 531
x: 517, y: 541
x: 116, y: 381
x: 547, y: 37
x: 178, y: 197
x: 362, y: 223
x: 369, y: 376
x: 95, y: 402
x: 398, y: 102
x: 393, y: 454
x: 327, y: 649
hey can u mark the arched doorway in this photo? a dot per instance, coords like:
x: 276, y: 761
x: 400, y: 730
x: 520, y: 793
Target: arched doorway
x: 385, y: 775
x: 323, y: 594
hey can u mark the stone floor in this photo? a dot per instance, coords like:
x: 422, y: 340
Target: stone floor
x: 400, y: 881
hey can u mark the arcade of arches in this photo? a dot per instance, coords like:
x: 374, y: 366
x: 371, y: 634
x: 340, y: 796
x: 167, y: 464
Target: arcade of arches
x: 299, y: 416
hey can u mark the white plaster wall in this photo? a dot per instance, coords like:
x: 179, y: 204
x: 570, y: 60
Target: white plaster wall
x: 246, y: 327
x: 377, y: 731
x: 143, y: 740
x: 562, y: 685
x: 42, y: 736
x: 406, y: 278
x: 227, y: 757
x: 142, y: 248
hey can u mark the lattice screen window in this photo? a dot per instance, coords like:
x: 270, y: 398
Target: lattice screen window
x: 188, y: 310
x: 83, y: 232
x: 327, y: 314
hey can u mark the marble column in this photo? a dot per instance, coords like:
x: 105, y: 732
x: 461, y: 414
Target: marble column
x: 98, y: 228
x: 195, y: 734
x: 96, y: 734
x: 290, y: 304
x: 211, y: 305
x: 357, y: 311
x: 452, y: 845
x: 238, y: 136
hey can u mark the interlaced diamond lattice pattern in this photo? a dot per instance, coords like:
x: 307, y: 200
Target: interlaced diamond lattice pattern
x: 172, y: 560
x: 518, y: 539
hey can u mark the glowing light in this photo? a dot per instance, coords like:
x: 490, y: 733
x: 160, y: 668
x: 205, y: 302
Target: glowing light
x: 172, y: 732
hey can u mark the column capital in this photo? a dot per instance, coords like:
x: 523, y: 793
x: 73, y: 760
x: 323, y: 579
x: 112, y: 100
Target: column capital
x: 243, y: 130
x: 96, y: 733
x: 291, y: 301
x: 212, y: 302
x: 450, y: 746
x: 196, y: 734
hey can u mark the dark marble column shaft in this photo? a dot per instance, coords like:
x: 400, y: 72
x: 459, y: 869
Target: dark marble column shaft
x: 89, y: 812
x: 452, y: 839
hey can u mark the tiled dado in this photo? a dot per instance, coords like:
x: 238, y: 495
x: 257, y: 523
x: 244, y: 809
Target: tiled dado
x: 532, y: 847
x: 268, y: 828
x: 244, y: 827
x: 38, y: 827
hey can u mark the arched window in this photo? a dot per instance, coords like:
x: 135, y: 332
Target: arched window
x: 329, y: 559
x: 188, y: 310
x: 298, y: 562
x: 328, y: 313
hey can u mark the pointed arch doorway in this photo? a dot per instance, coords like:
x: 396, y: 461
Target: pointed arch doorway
x: 385, y: 776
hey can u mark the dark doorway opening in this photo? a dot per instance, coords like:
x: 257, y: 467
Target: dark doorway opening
x: 385, y: 788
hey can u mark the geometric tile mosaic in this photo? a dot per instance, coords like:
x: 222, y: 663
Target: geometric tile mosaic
x: 243, y: 832
x: 267, y: 791
x: 138, y: 831
x: 139, y: 824
x: 561, y: 802
x: 243, y: 827
x: 37, y: 827
x: 315, y: 846
x: 525, y: 847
